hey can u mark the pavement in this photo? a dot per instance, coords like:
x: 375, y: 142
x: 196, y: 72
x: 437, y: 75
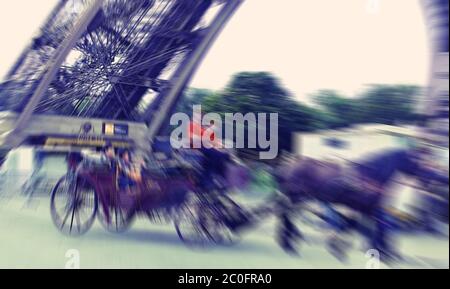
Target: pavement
x: 28, y: 239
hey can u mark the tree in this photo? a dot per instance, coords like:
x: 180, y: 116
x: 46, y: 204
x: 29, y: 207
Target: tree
x: 387, y: 104
x: 191, y: 97
x: 261, y: 92
x: 390, y: 104
x: 337, y: 110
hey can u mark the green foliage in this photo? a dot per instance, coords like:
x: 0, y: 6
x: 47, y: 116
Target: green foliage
x: 337, y: 110
x: 390, y: 104
x: 191, y: 97
x: 261, y: 92
x: 386, y: 104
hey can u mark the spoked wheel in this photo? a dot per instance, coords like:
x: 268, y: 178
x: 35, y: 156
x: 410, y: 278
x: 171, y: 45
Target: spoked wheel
x: 219, y: 230
x: 187, y: 225
x: 115, y: 217
x: 199, y: 224
x: 73, y: 206
x: 158, y: 217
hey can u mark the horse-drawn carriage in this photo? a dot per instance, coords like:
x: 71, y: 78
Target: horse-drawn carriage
x: 170, y: 192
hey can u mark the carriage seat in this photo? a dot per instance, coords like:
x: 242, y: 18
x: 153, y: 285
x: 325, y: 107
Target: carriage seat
x: 163, y: 161
x: 97, y: 162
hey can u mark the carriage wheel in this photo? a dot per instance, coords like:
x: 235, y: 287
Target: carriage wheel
x: 120, y: 218
x: 198, y: 224
x: 226, y: 232
x: 73, y: 206
x: 159, y: 217
x: 218, y: 229
x: 188, y: 228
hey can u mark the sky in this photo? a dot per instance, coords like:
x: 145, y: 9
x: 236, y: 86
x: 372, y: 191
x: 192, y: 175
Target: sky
x: 308, y: 44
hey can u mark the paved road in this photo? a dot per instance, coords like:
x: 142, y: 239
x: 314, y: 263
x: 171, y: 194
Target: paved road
x: 29, y: 240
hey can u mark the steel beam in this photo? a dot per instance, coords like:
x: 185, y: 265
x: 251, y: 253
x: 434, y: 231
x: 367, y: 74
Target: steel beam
x: 186, y: 71
x: 436, y: 102
x: 16, y: 136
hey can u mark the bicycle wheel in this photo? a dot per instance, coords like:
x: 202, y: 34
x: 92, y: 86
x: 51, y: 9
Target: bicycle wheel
x: 73, y: 206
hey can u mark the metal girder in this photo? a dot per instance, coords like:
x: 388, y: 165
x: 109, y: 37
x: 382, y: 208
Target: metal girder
x: 436, y: 102
x: 157, y: 53
x: 186, y: 71
x: 15, y: 137
x: 123, y: 47
x: 437, y: 19
x: 153, y: 84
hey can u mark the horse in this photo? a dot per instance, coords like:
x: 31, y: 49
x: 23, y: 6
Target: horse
x: 361, y: 187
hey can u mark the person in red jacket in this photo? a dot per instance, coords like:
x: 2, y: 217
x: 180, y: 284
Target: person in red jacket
x: 197, y: 132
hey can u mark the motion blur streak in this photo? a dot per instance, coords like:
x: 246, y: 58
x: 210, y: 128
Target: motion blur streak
x: 360, y: 181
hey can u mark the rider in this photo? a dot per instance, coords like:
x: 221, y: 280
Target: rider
x: 109, y: 155
x: 214, y: 164
x: 129, y: 175
x: 214, y: 159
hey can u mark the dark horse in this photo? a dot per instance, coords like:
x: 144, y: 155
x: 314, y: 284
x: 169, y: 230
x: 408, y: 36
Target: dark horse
x: 362, y: 187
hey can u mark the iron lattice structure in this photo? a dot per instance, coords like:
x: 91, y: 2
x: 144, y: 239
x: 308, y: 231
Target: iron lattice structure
x: 122, y: 65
